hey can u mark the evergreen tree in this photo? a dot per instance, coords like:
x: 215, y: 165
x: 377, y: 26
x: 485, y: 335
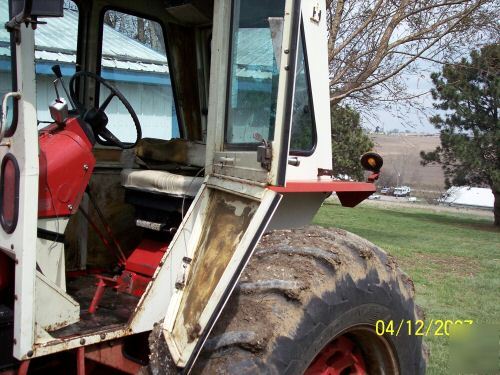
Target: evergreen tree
x: 349, y: 142
x: 468, y: 95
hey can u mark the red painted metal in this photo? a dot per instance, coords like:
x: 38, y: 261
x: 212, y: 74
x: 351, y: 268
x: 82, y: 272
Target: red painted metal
x: 141, y: 266
x: 10, y: 190
x: 80, y: 361
x: 350, y: 193
x: 324, y: 186
x: 101, y: 286
x: 139, y: 270
x: 341, y: 356
x: 23, y: 367
x: 111, y: 355
x: 146, y: 257
x: 66, y: 165
x: 133, y: 283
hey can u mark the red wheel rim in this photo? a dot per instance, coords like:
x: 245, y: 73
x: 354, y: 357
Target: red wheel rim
x: 340, y: 357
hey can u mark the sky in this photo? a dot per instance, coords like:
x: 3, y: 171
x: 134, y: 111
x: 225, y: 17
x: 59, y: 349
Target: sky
x: 401, y: 118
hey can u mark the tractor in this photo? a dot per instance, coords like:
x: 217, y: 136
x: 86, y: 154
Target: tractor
x: 161, y: 163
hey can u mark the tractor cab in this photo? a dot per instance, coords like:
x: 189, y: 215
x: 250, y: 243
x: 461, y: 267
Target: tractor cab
x: 146, y: 147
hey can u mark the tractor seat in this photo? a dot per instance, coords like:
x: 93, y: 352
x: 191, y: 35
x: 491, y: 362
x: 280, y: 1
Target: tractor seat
x: 161, y: 182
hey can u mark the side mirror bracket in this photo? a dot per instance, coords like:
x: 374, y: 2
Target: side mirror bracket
x: 28, y: 11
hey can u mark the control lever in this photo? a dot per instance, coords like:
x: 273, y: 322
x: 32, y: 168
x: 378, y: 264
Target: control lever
x: 58, y: 108
x: 58, y: 73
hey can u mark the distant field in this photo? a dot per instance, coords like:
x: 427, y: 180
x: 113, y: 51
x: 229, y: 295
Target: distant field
x: 401, y: 154
x: 453, y: 259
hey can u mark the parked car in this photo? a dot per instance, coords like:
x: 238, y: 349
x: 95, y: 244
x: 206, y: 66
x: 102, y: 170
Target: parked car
x: 402, y: 191
x: 385, y: 190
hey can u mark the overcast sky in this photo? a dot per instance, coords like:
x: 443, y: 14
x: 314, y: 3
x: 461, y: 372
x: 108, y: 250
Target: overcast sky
x: 402, y: 118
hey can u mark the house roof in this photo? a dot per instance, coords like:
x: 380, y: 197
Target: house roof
x: 469, y: 196
x: 55, y: 42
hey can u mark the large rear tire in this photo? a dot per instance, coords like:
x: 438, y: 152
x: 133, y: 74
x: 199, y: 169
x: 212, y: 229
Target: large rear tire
x: 308, y: 302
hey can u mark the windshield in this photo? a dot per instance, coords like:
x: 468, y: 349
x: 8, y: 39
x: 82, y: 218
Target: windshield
x: 254, y: 72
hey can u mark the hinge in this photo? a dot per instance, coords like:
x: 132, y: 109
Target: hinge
x: 264, y: 152
x: 325, y: 172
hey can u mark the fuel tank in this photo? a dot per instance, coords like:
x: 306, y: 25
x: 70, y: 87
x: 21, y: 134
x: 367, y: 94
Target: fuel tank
x: 66, y: 165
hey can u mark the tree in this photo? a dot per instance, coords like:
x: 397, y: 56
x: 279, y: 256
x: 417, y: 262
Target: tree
x: 144, y: 31
x: 469, y: 93
x: 349, y: 142
x: 371, y: 43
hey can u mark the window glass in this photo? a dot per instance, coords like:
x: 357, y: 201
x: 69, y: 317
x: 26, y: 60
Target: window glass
x: 55, y: 44
x: 134, y: 59
x: 303, y: 135
x: 254, y: 72
x: 6, y: 76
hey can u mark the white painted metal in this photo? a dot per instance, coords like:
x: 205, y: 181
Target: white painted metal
x: 307, y: 204
x: 50, y: 254
x: 237, y: 173
x: 54, y: 308
x: 316, y: 44
x: 3, y: 120
x: 241, y: 164
x: 21, y: 244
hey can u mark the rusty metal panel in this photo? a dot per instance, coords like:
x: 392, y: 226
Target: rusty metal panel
x: 227, y: 219
x: 229, y: 229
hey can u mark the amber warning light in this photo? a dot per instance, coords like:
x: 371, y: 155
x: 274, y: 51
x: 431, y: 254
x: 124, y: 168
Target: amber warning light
x: 371, y: 161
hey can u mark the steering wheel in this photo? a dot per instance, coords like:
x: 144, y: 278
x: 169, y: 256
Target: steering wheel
x: 96, y: 116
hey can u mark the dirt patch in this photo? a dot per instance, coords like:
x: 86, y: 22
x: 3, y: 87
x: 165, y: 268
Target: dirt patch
x: 447, y: 264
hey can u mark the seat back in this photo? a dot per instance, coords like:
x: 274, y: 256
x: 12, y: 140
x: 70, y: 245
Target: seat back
x: 178, y: 151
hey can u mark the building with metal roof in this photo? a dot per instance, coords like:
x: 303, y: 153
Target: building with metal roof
x: 138, y: 72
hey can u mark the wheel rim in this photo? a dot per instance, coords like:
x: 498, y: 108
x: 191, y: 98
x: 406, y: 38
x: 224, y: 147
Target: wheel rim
x: 358, y: 351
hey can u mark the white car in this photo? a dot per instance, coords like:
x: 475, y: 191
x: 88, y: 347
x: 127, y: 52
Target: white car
x: 402, y: 191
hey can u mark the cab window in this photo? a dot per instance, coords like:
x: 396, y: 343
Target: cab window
x: 134, y: 60
x: 254, y: 73
x: 303, y: 136
x: 55, y: 44
x: 7, y: 83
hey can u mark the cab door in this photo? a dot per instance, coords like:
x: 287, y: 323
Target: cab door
x: 251, y: 91
x: 18, y: 174
x: 251, y: 80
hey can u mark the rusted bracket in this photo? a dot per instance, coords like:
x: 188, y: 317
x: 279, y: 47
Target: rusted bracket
x: 325, y: 172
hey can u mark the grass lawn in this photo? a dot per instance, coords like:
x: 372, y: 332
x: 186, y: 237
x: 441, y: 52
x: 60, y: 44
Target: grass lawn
x: 453, y: 259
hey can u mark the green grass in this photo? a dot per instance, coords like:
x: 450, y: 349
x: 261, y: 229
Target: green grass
x: 453, y: 259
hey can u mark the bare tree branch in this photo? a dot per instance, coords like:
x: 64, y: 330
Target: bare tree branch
x: 373, y: 42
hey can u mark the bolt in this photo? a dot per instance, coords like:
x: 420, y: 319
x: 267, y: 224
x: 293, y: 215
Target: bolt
x: 103, y: 336
x: 287, y: 51
x: 70, y: 207
x: 15, y: 342
x: 16, y: 261
x: 287, y: 67
x: 15, y: 297
x: 82, y: 341
x: 85, y: 167
x: 30, y: 353
x: 12, y: 246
